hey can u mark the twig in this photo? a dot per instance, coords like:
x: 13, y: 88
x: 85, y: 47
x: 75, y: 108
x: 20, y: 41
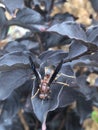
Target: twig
x: 62, y: 124
x: 36, y: 125
x: 40, y: 42
x: 23, y: 121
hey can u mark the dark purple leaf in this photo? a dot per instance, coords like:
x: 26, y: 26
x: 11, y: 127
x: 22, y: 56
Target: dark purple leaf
x: 48, y: 5
x: 84, y: 108
x: 2, y: 16
x: 3, y: 26
x: 84, y: 88
x: 49, y: 53
x: 13, y: 5
x: 22, y: 45
x: 92, y: 34
x: 59, y: 18
x: 14, y: 78
x: 36, y: 2
x: 15, y: 124
x: 54, y: 39
x: 74, y: 31
x: 28, y: 16
x: 45, y: 105
x: 14, y: 102
x: 28, y: 104
x: 14, y: 46
x: 53, y: 57
x: 95, y: 98
x: 67, y: 96
x: 76, y: 48
x: 72, y: 121
x: 69, y: 29
x: 15, y: 59
x: 66, y: 75
x: 93, y: 57
x: 30, y: 45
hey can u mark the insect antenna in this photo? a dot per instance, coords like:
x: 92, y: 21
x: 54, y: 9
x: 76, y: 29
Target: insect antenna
x: 57, y: 69
x: 34, y: 69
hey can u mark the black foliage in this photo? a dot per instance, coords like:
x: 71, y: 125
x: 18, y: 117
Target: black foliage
x: 84, y: 108
x: 69, y: 29
x: 3, y: 22
x: 13, y: 5
x: 72, y: 122
x: 14, y: 102
x: 38, y: 75
x: 24, y: 14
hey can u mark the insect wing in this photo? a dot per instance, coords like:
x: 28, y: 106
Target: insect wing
x: 55, y: 72
x: 38, y: 77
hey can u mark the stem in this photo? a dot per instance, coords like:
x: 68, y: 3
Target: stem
x: 40, y: 42
x: 23, y: 121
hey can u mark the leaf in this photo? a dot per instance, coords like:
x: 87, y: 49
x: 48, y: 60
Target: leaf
x: 92, y: 34
x: 3, y: 18
x: 15, y: 59
x: 62, y: 17
x: 48, y: 5
x: 13, y: 5
x: 76, y: 48
x: 28, y: 105
x: 14, y: 78
x: 21, y: 45
x: 28, y: 19
x: 45, y: 105
x: 54, y: 57
x: 3, y: 26
x: 14, y: 46
x: 15, y: 102
x: 43, y: 56
x: 84, y: 88
x: 28, y: 16
x: 69, y: 29
x: 53, y: 39
x: 84, y: 108
x: 72, y: 121
x: 30, y: 45
x: 66, y: 76
x: 67, y: 96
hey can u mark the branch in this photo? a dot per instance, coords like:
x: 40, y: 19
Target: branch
x: 23, y: 121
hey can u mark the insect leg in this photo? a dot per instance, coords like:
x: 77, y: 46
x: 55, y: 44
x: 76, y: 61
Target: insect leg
x: 65, y: 84
x: 65, y: 75
x: 62, y: 74
x: 35, y: 94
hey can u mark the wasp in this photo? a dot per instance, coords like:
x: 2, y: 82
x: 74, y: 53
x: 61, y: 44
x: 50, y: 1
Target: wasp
x: 45, y: 82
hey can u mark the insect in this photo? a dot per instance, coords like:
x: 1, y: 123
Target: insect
x: 44, y: 84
